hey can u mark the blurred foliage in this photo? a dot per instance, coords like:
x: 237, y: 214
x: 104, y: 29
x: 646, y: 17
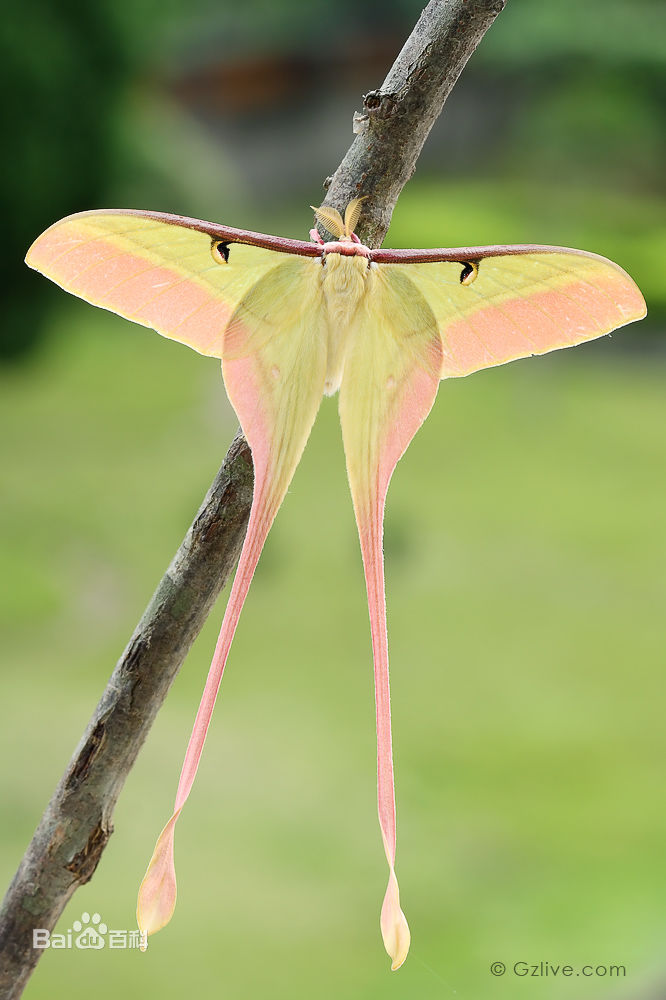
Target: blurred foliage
x: 557, y: 93
x: 63, y: 67
x: 606, y: 220
x: 608, y: 32
x: 526, y: 571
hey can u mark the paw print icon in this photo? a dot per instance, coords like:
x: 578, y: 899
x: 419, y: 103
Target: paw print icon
x: 89, y: 931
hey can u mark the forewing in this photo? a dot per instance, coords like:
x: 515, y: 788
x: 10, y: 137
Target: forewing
x: 160, y: 271
x: 521, y: 301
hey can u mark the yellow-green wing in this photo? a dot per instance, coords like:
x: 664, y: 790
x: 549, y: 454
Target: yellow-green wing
x: 257, y: 302
x: 499, y: 304
x: 274, y: 367
x: 274, y: 376
x: 161, y: 271
x: 390, y: 379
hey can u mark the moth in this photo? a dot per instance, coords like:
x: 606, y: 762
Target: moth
x: 293, y: 321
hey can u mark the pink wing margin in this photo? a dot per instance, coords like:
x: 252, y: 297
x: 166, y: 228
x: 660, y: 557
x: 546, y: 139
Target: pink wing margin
x: 524, y: 300
x: 157, y: 269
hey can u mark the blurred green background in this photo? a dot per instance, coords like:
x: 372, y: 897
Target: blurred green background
x: 525, y: 536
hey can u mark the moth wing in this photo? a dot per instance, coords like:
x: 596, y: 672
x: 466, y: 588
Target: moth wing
x: 274, y: 365
x: 274, y: 372
x: 493, y: 305
x: 389, y: 383
x: 161, y: 271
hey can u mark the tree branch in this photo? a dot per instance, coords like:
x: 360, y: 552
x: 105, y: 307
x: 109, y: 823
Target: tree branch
x: 76, y: 825
x: 396, y: 119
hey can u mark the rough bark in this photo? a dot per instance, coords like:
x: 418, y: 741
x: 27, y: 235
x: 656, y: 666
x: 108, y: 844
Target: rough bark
x: 76, y: 825
x: 397, y: 118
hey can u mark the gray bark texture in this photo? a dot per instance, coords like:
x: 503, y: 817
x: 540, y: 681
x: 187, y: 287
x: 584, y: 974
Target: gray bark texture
x: 396, y: 119
x: 74, y: 830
